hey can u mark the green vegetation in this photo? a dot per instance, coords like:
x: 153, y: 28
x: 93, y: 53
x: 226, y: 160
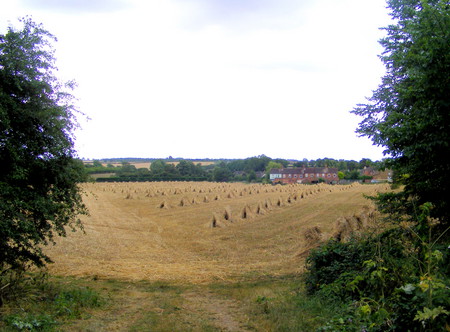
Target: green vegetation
x: 254, y: 169
x: 35, y: 303
x: 279, y: 304
x: 39, y: 181
x: 388, y: 281
x: 409, y: 113
x: 254, y: 303
x: 397, y: 278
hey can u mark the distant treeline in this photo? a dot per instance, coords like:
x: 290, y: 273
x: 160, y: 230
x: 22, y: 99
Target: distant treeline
x: 254, y: 169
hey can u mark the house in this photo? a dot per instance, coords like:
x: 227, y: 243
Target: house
x: 304, y: 175
x: 377, y: 176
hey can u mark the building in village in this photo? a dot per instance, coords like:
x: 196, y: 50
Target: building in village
x: 376, y: 176
x: 304, y: 175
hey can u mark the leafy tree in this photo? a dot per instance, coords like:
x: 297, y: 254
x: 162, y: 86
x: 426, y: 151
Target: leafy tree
x: 257, y: 164
x: 189, y: 169
x: 326, y: 162
x: 143, y: 172
x: 237, y: 165
x: 352, y: 175
x: 352, y: 165
x: 271, y: 165
x: 170, y: 169
x: 185, y: 168
x: 365, y: 163
x: 221, y: 173
x: 283, y: 162
x: 126, y: 169
x: 39, y: 177
x: 303, y: 163
x: 409, y: 113
x: 342, y: 165
x: 198, y: 170
x: 251, y: 176
x: 158, y: 166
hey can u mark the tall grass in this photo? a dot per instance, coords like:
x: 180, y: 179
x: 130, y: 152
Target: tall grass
x: 36, y: 302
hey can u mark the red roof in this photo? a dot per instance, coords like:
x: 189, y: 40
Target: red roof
x: 303, y: 170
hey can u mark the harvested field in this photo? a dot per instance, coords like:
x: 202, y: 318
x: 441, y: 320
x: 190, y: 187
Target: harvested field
x: 147, y: 164
x: 201, y: 232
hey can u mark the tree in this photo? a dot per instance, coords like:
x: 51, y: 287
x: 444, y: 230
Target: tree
x: 352, y: 175
x: 271, y: 165
x: 158, y: 166
x: 257, y: 164
x: 409, y: 113
x: 185, y: 168
x: 251, y: 176
x: 221, y: 173
x: 127, y: 169
x: 170, y: 169
x: 365, y: 163
x: 303, y: 163
x: 39, y: 178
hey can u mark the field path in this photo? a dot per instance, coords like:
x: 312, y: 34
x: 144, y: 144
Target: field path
x: 128, y: 307
x: 165, y: 307
x: 223, y: 314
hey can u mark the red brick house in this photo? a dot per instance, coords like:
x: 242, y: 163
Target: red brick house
x: 304, y: 175
x: 376, y: 175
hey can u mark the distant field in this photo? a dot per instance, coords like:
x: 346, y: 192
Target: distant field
x: 147, y: 164
x: 201, y: 232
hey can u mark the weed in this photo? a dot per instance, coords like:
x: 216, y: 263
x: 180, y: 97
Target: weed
x: 30, y: 322
x: 403, y: 285
x: 46, y: 304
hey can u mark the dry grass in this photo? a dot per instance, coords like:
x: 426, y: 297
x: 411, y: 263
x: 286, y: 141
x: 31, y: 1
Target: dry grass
x: 200, y: 232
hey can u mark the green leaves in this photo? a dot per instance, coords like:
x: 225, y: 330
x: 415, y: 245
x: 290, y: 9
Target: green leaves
x: 39, y: 177
x: 409, y: 113
x: 430, y: 314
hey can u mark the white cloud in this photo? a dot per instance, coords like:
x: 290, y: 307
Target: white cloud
x: 75, y: 7
x: 231, y: 79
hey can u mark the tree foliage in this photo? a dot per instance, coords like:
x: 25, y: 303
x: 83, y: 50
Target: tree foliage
x: 409, y: 113
x: 249, y: 169
x: 39, y: 192
x: 401, y: 281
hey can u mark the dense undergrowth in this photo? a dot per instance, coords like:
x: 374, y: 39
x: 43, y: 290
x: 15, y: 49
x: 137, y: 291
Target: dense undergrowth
x: 394, y: 280
x: 30, y: 302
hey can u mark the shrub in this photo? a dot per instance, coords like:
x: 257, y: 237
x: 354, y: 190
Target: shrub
x: 33, y: 302
x: 396, y: 280
x: 330, y: 261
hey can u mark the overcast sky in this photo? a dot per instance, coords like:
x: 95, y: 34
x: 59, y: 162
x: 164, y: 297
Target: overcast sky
x: 216, y: 78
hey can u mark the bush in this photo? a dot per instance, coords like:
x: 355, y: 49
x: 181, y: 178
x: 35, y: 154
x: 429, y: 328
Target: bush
x: 32, y: 302
x: 388, y: 282
x: 330, y: 261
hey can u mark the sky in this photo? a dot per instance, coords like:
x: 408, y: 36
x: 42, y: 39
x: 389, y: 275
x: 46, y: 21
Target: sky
x: 216, y: 78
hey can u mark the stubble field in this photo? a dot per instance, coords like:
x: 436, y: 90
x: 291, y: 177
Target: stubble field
x: 202, y: 232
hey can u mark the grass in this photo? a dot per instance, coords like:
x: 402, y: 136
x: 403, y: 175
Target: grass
x: 37, y: 303
x: 279, y: 304
x: 256, y: 304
